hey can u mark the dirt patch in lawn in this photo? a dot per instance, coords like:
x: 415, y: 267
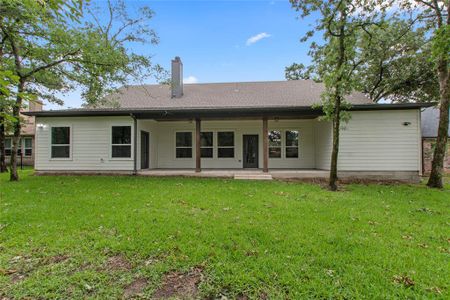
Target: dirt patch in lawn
x: 117, y: 262
x: 180, y: 285
x: 135, y: 288
x: 56, y: 259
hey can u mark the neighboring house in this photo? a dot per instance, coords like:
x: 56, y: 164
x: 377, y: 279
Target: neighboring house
x: 25, y: 151
x: 430, y: 123
x: 247, y: 125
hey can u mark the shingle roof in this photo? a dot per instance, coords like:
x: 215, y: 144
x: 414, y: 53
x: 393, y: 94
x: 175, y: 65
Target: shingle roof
x: 228, y: 95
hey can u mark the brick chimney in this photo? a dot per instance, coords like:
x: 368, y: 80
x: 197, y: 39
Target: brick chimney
x: 35, y: 105
x: 177, y: 78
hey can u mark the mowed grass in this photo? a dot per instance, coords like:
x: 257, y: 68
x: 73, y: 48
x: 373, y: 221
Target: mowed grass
x: 250, y: 239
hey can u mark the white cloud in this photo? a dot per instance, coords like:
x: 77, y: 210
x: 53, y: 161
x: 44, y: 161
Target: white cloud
x: 190, y: 79
x: 257, y: 38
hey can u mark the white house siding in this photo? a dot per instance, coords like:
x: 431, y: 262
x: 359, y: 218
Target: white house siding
x: 379, y: 141
x: 373, y: 141
x: 165, y: 136
x: 324, y: 144
x: 91, y: 144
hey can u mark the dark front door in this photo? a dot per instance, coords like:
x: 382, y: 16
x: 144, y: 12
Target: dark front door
x: 250, y: 149
x: 145, y: 149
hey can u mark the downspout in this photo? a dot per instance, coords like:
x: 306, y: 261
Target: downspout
x: 134, y: 145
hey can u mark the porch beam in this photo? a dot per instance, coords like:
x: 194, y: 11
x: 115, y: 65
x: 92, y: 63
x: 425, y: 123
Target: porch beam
x: 198, y: 161
x: 265, y: 145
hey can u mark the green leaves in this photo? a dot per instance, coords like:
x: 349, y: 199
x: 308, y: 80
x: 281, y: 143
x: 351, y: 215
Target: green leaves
x: 440, y: 43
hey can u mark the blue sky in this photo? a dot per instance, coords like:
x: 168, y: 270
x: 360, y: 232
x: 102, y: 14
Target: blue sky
x: 223, y: 41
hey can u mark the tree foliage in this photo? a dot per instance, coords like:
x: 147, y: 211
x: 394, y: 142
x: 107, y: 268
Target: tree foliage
x: 395, y: 63
x: 57, y: 46
x: 335, y: 61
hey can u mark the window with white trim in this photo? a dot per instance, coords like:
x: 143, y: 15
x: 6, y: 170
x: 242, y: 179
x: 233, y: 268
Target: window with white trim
x: 225, y: 144
x: 8, y: 146
x: 291, y: 143
x: 183, y: 144
x: 60, y: 142
x: 206, y: 144
x: 275, y: 144
x: 27, y: 147
x: 121, y: 142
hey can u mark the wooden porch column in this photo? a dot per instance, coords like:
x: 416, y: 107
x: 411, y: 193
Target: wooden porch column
x: 198, y: 162
x: 265, y: 146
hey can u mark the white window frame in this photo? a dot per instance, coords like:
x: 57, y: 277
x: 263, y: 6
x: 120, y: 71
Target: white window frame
x: 281, y: 144
x: 206, y: 147
x: 234, y: 144
x: 24, y: 148
x: 70, y: 142
x: 111, y: 143
x: 10, y: 148
x: 286, y: 146
x: 183, y: 147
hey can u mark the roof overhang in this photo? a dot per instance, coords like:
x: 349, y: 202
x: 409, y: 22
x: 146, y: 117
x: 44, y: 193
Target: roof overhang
x: 218, y: 112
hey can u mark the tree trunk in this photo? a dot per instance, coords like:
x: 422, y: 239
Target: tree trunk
x: 437, y: 166
x: 14, y: 176
x: 334, y: 154
x: 332, y: 184
x: 3, y: 167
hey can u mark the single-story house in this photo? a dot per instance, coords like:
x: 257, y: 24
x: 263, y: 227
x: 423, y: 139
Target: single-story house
x: 430, y: 124
x: 265, y: 126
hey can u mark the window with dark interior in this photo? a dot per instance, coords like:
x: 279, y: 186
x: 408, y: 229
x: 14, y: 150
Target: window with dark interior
x: 291, y: 143
x: 225, y: 144
x: 183, y: 145
x: 28, y: 146
x: 121, y: 142
x: 206, y: 144
x: 275, y: 144
x: 60, y: 147
x: 8, y: 146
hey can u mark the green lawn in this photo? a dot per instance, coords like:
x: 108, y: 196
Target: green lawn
x: 109, y: 237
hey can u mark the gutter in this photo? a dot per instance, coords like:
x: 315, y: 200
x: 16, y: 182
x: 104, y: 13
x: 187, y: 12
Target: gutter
x: 217, y: 111
x: 134, y: 144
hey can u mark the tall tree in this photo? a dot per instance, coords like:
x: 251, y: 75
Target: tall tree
x: 396, y: 65
x: 335, y: 61
x: 56, y: 46
x: 436, y: 15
